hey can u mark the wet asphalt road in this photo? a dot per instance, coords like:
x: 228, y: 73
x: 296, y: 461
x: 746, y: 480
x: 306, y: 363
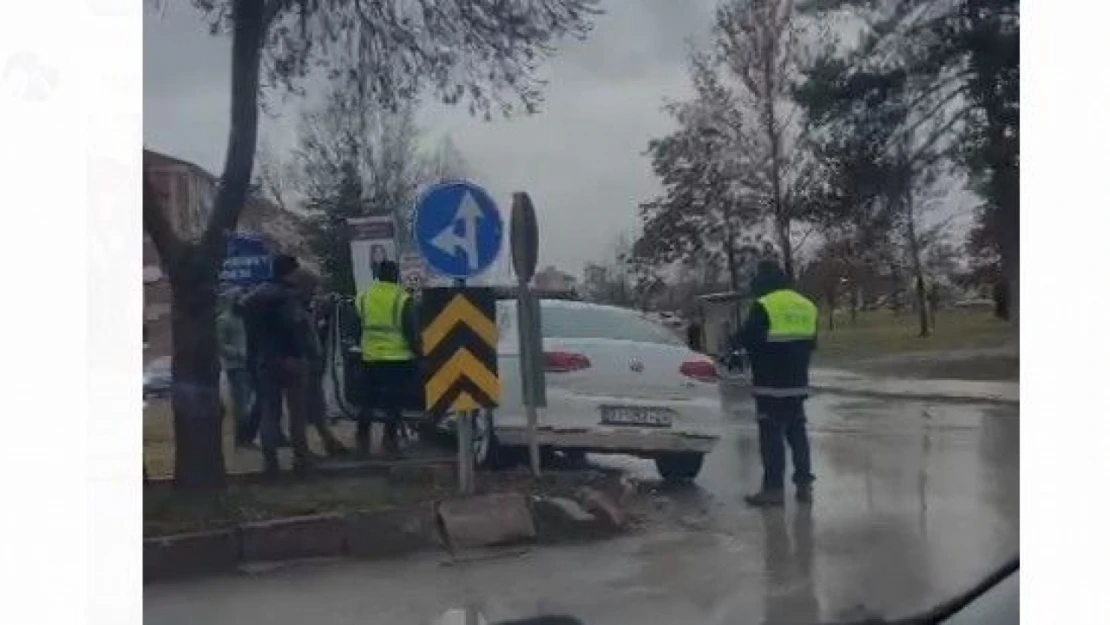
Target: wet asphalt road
x: 915, y: 502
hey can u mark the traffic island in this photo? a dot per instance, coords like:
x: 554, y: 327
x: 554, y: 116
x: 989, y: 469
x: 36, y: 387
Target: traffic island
x: 371, y: 518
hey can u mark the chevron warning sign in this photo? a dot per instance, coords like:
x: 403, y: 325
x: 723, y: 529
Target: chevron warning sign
x: 459, y: 341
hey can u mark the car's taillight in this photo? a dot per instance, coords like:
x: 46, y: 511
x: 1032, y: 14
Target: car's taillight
x: 564, y: 362
x: 700, y: 370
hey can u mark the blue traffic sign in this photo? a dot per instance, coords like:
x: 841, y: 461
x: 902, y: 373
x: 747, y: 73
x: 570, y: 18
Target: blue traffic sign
x: 247, y: 262
x: 458, y: 229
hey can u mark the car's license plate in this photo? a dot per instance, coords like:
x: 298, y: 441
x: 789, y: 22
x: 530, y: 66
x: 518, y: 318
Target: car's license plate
x: 634, y: 415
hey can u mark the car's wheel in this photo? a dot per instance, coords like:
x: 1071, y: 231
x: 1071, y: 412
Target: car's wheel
x: 488, y: 452
x: 680, y: 466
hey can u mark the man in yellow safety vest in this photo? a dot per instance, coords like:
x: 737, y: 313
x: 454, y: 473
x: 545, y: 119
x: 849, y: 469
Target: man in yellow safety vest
x: 780, y: 334
x: 389, y: 347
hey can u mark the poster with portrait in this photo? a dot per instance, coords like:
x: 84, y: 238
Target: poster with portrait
x: 373, y: 239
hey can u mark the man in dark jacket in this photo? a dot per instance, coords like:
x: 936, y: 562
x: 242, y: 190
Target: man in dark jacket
x: 280, y: 362
x: 779, y: 334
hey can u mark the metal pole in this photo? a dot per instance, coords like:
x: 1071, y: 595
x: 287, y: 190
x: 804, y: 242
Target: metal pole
x: 466, y: 452
x: 526, y: 318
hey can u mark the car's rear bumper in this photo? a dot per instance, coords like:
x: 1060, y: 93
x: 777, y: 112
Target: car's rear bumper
x: 635, y: 441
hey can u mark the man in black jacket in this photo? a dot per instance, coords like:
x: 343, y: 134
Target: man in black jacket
x: 280, y: 360
x: 779, y: 334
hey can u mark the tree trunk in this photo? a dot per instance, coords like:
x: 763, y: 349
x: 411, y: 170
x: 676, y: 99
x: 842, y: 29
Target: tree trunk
x: 915, y: 260
x: 774, y: 135
x: 733, y: 267
x: 853, y: 303
x: 989, y: 65
x: 195, y: 395
x: 193, y: 270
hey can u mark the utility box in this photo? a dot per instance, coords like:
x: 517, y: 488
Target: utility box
x: 722, y: 314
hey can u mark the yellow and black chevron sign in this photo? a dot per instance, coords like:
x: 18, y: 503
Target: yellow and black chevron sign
x: 459, y: 341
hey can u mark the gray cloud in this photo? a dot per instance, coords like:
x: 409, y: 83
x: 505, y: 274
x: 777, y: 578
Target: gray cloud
x: 580, y: 158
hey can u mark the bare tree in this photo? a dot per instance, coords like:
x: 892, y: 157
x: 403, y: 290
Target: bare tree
x: 757, y: 42
x: 446, y: 162
x: 480, y: 54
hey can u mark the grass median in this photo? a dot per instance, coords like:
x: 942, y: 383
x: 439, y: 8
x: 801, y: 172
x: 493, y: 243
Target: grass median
x: 965, y: 344
x: 166, y: 511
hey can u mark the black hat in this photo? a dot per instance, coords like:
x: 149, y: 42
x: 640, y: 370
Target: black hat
x: 769, y: 277
x: 388, y: 271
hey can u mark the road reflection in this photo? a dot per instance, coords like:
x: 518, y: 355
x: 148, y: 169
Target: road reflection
x: 790, y: 588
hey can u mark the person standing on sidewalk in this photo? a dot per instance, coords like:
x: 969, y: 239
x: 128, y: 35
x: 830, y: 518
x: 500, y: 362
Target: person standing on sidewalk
x: 316, y: 404
x: 389, y: 348
x: 780, y: 334
x: 231, y: 335
x: 281, y: 363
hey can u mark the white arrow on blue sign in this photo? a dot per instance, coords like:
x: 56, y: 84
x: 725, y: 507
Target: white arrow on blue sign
x: 458, y: 229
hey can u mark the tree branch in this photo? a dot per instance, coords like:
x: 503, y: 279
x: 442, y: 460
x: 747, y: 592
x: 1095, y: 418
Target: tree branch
x: 246, y: 54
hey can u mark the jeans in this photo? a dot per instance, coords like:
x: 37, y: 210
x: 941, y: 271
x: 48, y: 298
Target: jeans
x: 240, y: 383
x: 783, y: 422
x: 279, y: 380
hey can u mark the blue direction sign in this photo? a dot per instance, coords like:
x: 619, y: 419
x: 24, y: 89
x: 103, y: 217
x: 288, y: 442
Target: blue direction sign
x: 458, y: 229
x: 247, y: 262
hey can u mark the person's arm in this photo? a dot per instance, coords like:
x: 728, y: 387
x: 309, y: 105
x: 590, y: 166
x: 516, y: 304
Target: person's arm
x: 754, y: 332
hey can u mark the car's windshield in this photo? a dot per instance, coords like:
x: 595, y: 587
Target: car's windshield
x: 581, y: 322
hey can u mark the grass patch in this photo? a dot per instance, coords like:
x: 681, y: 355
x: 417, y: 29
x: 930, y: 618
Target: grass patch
x: 158, y: 443
x: 882, y: 333
x: 985, y: 368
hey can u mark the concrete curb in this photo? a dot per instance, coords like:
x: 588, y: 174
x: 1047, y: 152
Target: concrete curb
x: 835, y: 382
x: 933, y: 397
x: 452, y: 525
x: 418, y: 470
x: 923, y: 390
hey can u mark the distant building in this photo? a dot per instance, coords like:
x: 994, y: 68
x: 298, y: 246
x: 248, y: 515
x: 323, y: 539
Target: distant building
x: 551, y: 279
x: 188, y: 192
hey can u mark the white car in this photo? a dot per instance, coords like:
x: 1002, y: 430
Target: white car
x: 617, y: 382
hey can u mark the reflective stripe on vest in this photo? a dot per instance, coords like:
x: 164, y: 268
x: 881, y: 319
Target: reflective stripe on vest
x: 380, y: 308
x: 792, y: 317
x: 766, y: 391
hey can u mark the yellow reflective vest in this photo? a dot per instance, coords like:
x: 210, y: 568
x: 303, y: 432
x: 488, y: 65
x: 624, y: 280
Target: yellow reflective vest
x: 792, y: 317
x: 380, y: 307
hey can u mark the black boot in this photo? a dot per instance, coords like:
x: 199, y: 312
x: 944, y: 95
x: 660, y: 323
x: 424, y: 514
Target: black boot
x: 804, y: 494
x: 304, y: 463
x: 334, y: 449
x: 767, y: 498
x: 271, y: 468
x: 362, y: 440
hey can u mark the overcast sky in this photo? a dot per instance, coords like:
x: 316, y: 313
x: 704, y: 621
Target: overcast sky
x: 581, y: 158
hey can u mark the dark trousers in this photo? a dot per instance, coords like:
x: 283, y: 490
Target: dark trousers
x: 282, y: 382
x: 246, y: 429
x: 385, y: 387
x: 241, y: 384
x: 316, y: 403
x: 783, y: 422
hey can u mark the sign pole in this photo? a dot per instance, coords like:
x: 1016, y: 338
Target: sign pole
x: 464, y: 432
x: 524, y: 241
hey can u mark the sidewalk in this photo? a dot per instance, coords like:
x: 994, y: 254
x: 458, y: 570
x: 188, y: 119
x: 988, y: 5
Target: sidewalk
x: 846, y: 382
